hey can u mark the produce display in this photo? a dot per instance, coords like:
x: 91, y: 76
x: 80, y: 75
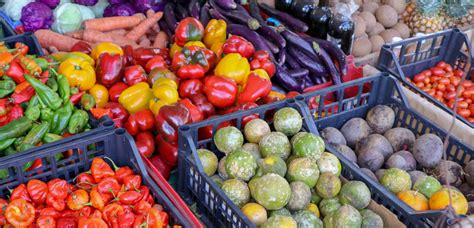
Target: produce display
x: 284, y: 177
x: 441, y: 82
x: 410, y: 167
x: 100, y: 197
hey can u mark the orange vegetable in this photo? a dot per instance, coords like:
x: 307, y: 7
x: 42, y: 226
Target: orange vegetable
x: 76, y: 34
x: 140, y: 30
x: 112, y: 23
x: 160, y: 40
x: 48, y: 38
x: 97, y: 36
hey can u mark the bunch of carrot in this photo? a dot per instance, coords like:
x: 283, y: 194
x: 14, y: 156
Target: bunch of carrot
x: 139, y: 30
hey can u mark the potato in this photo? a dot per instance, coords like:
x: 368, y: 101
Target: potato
x: 347, y: 152
x: 360, y: 26
x: 402, y: 160
x: 369, y: 19
x: 387, y: 16
x: 371, y: 159
x: 389, y: 34
x: 361, y: 47
x: 354, y: 130
x: 428, y: 150
x: 333, y: 136
x: 469, y: 173
x: 380, y: 118
x: 376, y: 30
x: 449, y: 172
x: 369, y: 173
x: 369, y: 7
x: 400, y: 138
x: 398, y: 5
x: 402, y: 29
x: 377, y: 43
x: 375, y: 142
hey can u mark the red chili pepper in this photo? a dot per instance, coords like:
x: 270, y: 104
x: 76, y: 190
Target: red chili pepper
x: 24, y: 91
x: 100, y: 169
x: 292, y: 94
x: 156, y: 218
x: 15, y: 113
x: 75, y: 98
x: 134, y: 74
x: 140, y: 121
x: 58, y: 188
x: 67, y: 222
x: 126, y: 220
x: 155, y: 62
x: 255, y: 88
x: 84, y: 212
x: 237, y: 44
x: 111, y: 213
x: 77, y: 199
x: 108, y: 185
x: 261, y: 60
x: 116, y: 90
x: 46, y: 222
x: 196, y: 114
x: 49, y: 211
x: 100, y: 112
x: 57, y: 204
x: 145, y: 143
x: 132, y: 182
x: 37, y: 190
x: 188, y: 88
x: 21, y: 49
x: 85, y: 181
x: 16, y: 72
x: 122, y: 172
x: 119, y: 113
x: 3, y: 207
x: 220, y: 91
x: 36, y: 164
x: 29, y: 65
x: 141, y: 207
x: 168, y: 151
x: 130, y: 197
x: 82, y: 46
x: 20, y: 192
x: 144, y: 192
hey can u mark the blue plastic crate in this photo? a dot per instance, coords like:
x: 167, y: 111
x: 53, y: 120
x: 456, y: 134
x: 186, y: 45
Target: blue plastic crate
x: 5, y: 29
x: 411, y: 56
x: 112, y: 143
x: 372, y: 91
x: 194, y: 186
x: 27, y: 38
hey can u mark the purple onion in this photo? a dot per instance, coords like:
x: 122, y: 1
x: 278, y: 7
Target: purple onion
x: 50, y: 3
x: 86, y: 2
x: 35, y: 16
x: 120, y: 9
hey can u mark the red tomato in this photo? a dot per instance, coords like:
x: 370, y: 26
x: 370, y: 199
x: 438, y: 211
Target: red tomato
x: 458, y: 73
x: 437, y: 71
x: 427, y: 73
x: 455, y: 81
x: 471, y: 108
x: 426, y: 89
x: 426, y: 81
x: 420, y: 84
x: 449, y: 74
x: 441, y: 87
x: 439, y: 98
x: 443, y: 81
x: 464, y: 112
x: 419, y: 78
x: 462, y: 105
x: 469, y: 100
x: 441, y: 64
x: 467, y: 83
x: 471, y: 120
x: 439, y: 94
x: 450, y: 95
x: 450, y: 88
x: 434, y: 79
x: 432, y: 92
x: 408, y: 79
x: 450, y: 104
x: 448, y: 68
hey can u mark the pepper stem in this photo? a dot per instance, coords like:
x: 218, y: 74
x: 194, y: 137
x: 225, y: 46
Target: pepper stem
x: 113, y: 163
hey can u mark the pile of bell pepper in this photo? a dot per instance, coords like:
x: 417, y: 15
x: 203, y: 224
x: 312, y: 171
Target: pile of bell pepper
x: 37, y: 105
x: 100, y: 197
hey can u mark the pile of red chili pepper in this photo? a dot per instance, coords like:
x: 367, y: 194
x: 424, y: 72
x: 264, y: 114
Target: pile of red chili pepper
x: 101, y: 197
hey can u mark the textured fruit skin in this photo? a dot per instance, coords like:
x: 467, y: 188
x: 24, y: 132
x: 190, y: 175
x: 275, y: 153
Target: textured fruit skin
x: 329, y: 163
x: 303, y: 169
x: 288, y: 121
x: 307, y: 145
x: 228, y: 139
x: 271, y: 191
x: 280, y: 221
x: 241, y: 164
x: 300, y: 196
x: 396, y: 180
x: 347, y: 216
x: 414, y: 199
x: 356, y: 194
x: 255, y: 130
x: 328, y: 206
x: 237, y: 191
x: 440, y: 200
x: 427, y: 185
x: 328, y: 185
x: 209, y: 161
x: 307, y: 219
x: 370, y: 219
x: 255, y: 212
x: 275, y: 143
x: 271, y: 164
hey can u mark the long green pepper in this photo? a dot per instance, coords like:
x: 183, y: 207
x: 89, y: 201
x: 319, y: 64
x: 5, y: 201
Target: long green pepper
x: 64, y: 89
x: 52, y: 83
x: 45, y: 94
x: 33, y: 110
x: 46, y: 115
x: 78, y: 121
x: 15, y: 128
x: 35, y: 135
x: 4, y: 144
x: 6, y: 88
x: 60, y: 119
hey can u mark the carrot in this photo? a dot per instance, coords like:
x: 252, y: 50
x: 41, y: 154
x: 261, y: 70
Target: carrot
x: 144, y: 26
x: 112, y: 23
x: 120, y: 32
x: 150, y: 13
x: 160, y: 40
x: 96, y: 36
x: 76, y: 34
x: 145, y: 43
x: 48, y: 38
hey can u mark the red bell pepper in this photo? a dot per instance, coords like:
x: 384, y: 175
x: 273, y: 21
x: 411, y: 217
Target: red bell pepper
x: 21, y: 49
x: 168, y: 151
x: 196, y: 113
x: 188, y: 88
x: 203, y: 104
x: 141, y: 56
x: 82, y: 46
x: 156, y: 62
x: 145, y: 143
x: 206, y: 132
x: 255, y: 88
x: 133, y: 75
x: 119, y: 114
x: 188, y: 29
x: 161, y: 166
x: 140, y: 121
x: 242, y: 107
x: 100, y: 112
x: 193, y: 62
x: 292, y: 94
x: 109, y: 69
x: 15, y: 113
x: 15, y: 71
x: 169, y: 118
x: 75, y: 98
x: 261, y: 60
x: 116, y: 90
x: 220, y: 91
x: 237, y: 44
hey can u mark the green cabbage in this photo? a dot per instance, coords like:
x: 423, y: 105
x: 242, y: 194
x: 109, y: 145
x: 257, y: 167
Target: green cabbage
x: 99, y: 8
x: 13, y: 8
x: 68, y: 18
x: 86, y: 12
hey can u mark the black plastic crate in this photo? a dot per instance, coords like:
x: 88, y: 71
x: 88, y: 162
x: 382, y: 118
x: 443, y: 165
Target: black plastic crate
x: 372, y: 91
x: 27, y: 38
x: 447, y: 46
x: 5, y: 29
x: 115, y: 144
x: 194, y: 186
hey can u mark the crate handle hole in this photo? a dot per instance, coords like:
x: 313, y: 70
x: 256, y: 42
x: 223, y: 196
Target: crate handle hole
x: 108, y: 123
x: 290, y: 101
x: 120, y: 131
x: 184, y: 128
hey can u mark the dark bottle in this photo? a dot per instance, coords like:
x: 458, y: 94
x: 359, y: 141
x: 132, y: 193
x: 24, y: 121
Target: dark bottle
x: 341, y: 30
x: 303, y: 8
x: 319, y: 21
x: 324, y: 3
x: 283, y: 5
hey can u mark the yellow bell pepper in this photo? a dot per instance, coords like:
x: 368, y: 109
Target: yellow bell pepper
x: 165, y: 91
x: 106, y: 47
x: 79, y: 73
x: 62, y: 56
x: 277, y: 95
x: 155, y: 104
x: 100, y: 94
x: 233, y: 66
x: 136, y: 98
x: 217, y: 49
x: 215, y: 32
x: 194, y: 43
x: 175, y: 48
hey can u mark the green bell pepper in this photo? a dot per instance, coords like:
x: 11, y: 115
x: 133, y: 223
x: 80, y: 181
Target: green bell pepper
x: 64, y: 89
x: 61, y: 118
x: 6, y: 88
x: 46, y: 95
x: 78, y: 121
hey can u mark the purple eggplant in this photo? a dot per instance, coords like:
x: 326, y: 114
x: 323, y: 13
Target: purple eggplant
x: 204, y: 16
x: 255, y: 12
x: 326, y: 59
x: 278, y: 88
x: 296, y: 41
x: 181, y: 12
x: 284, y: 79
x: 170, y: 17
x: 312, y: 64
x: 227, y: 4
x: 271, y: 46
x: 249, y: 35
x: 299, y: 73
x: 238, y: 15
x: 307, y: 82
x: 217, y: 15
x: 333, y: 50
x: 281, y: 57
x: 290, y: 21
x: 272, y: 35
x: 194, y: 9
x: 291, y: 62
